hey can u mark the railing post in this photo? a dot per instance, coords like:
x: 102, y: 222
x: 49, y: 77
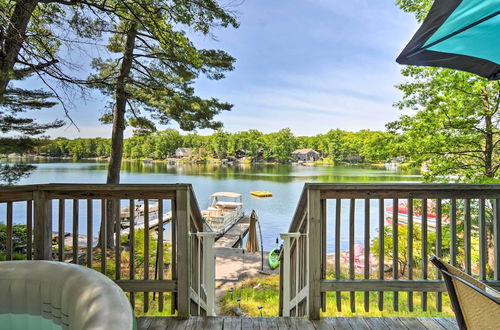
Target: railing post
x: 183, y: 253
x: 287, y: 254
x: 208, y: 270
x: 314, y: 253
x: 43, y: 226
x: 496, y: 237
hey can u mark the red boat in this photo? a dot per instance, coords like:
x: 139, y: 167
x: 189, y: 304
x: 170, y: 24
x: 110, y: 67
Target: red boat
x: 417, y: 214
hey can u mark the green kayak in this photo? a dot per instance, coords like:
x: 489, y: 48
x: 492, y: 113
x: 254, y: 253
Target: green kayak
x: 274, y: 257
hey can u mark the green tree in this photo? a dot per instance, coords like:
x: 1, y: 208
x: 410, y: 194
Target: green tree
x: 454, y: 127
x: 21, y: 131
x: 281, y: 144
x: 218, y: 144
x: 155, y: 69
x: 29, y: 44
x: 334, y: 142
x: 167, y: 142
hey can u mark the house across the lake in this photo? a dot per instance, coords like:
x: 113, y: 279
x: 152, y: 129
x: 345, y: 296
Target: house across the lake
x: 305, y: 155
x: 183, y: 152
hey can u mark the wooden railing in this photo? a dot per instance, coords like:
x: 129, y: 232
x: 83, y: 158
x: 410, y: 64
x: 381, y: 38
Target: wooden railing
x: 52, y: 212
x: 462, y: 220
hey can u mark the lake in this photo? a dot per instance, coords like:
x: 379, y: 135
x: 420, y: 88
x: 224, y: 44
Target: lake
x: 284, y: 181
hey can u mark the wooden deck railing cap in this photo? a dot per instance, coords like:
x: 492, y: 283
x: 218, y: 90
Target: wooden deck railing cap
x: 96, y: 186
x: 401, y: 186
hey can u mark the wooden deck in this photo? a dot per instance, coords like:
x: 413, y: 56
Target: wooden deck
x: 234, y: 236
x: 278, y: 323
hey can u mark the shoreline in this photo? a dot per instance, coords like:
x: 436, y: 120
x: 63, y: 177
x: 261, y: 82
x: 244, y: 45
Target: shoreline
x: 223, y: 162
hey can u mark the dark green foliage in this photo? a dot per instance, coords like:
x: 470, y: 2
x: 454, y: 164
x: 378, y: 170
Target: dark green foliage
x: 164, y: 64
x: 453, y: 126
x: 339, y: 146
x: 21, y: 129
x: 19, y: 238
x: 10, y: 174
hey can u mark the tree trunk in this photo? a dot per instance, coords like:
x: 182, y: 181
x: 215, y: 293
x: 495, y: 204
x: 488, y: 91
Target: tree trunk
x: 113, y: 209
x: 488, y: 147
x: 12, y: 41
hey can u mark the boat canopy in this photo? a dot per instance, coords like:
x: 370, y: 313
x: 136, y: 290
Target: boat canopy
x: 226, y: 194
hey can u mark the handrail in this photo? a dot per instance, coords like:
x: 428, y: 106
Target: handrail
x: 451, y: 204
x: 300, y: 210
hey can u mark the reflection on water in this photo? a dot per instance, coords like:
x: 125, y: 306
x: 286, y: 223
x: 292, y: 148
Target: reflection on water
x: 284, y: 181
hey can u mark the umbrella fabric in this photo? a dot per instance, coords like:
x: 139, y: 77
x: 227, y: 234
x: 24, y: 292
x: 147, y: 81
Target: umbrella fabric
x: 458, y: 34
x: 252, y: 241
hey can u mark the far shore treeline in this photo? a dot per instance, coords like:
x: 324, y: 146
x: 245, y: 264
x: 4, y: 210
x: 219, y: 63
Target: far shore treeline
x: 335, y: 146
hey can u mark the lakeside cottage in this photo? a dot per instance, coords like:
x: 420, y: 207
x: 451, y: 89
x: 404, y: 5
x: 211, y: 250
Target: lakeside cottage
x: 183, y: 152
x: 306, y: 155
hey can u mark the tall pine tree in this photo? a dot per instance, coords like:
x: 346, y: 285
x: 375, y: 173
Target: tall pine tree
x: 151, y: 78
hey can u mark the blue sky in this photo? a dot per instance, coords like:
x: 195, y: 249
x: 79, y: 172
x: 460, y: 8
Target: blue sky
x: 310, y: 65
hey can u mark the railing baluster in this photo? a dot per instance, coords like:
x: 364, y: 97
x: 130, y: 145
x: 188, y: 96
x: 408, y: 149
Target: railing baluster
x: 198, y: 272
x: 29, y: 229
x: 496, y: 237
x: 61, y: 216
x: 381, y: 226
x: 424, y: 251
x: 9, y: 241
x: 286, y: 273
x: 90, y: 235
x: 467, y: 242
x: 323, y: 249
x: 160, y: 251
x: 146, y: 252
x: 75, y: 231
x: 395, y: 256
x: 338, y: 210
x: 367, y: 252
x: 116, y: 213
x: 453, y: 232
x: 173, y: 226
x: 104, y: 227
x: 299, y: 247
x: 410, y: 251
x: 208, y: 273
x: 482, y: 241
x: 132, y: 247
x: 352, y: 297
x: 439, y: 252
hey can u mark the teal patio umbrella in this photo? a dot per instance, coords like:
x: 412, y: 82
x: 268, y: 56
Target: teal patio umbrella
x: 458, y: 34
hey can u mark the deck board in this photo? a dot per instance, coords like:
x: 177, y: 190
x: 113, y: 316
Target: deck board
x: 295, y: 323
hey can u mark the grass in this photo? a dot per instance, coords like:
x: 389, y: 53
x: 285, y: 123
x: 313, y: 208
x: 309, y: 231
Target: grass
x: 331, y: 305
x: 153, y: 309
x: 263, y: 291
x: 259, y: 291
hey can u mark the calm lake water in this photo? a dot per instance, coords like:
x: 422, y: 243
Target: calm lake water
x: 275, y: 214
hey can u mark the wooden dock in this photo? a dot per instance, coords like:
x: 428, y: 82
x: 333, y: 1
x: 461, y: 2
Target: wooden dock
x: 234, y: 236
x: 153, y: 223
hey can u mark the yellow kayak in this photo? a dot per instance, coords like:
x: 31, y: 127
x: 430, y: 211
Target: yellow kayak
x: 261, y: 193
